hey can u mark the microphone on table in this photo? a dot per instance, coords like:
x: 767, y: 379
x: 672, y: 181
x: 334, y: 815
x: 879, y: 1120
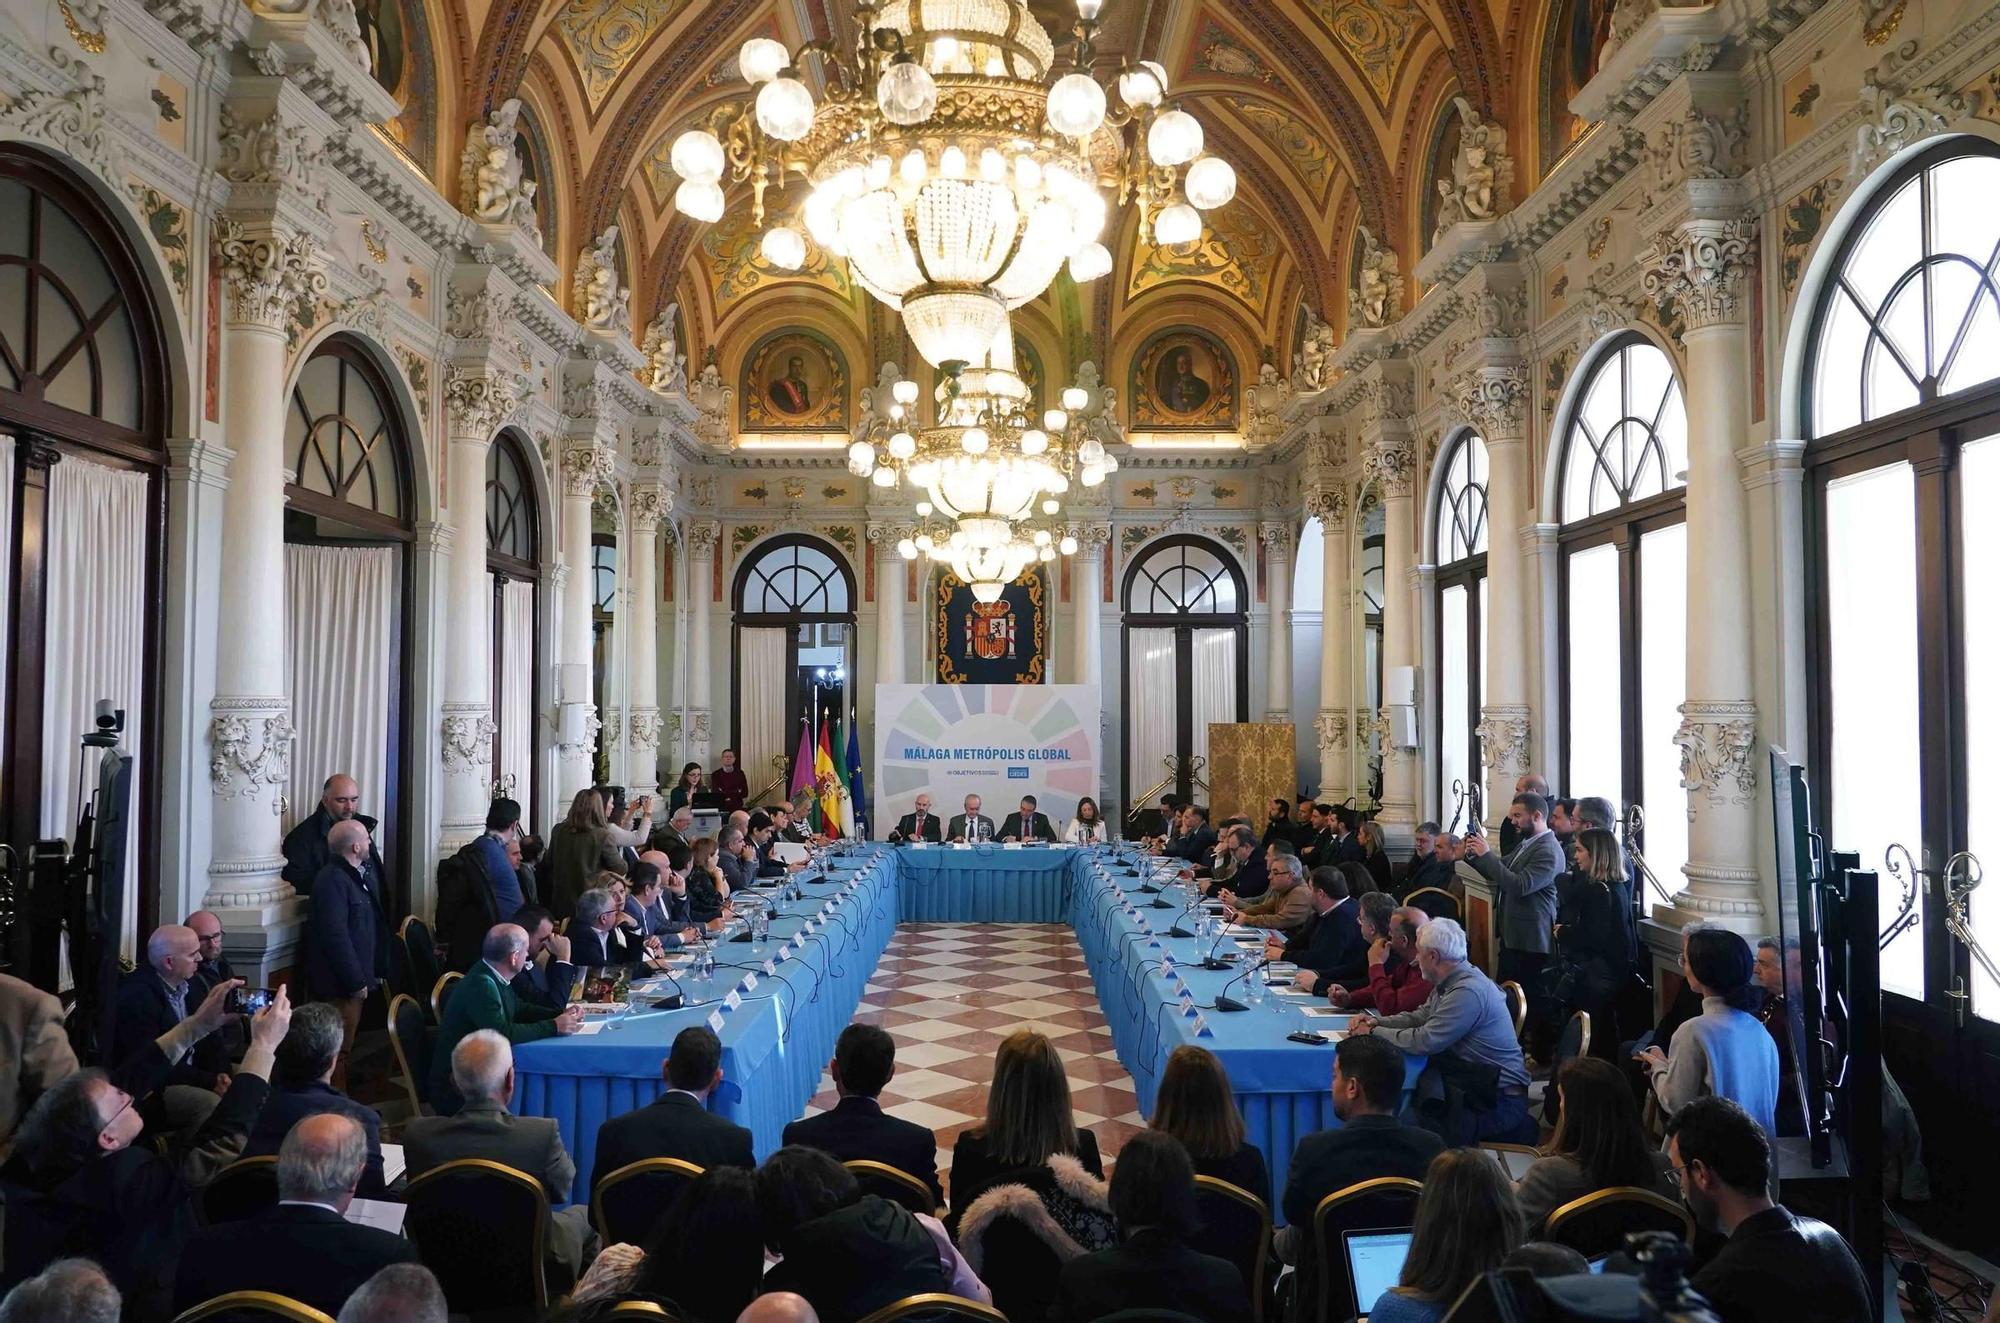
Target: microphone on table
x: 1212, y: 960
x: 1225, y: 1002
x: 1177, y: 930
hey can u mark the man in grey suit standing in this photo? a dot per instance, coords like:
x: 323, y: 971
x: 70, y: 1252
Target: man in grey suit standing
x: 482, y: 1069
x: 1524, y: 893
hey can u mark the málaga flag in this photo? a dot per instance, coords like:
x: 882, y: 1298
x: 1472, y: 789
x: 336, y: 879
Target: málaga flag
x: 802, y: 763
x: 828, y: 778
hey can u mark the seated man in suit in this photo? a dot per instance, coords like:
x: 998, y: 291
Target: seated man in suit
x: 484, y: 999
x: 1316, y: 840
x: 152, y: 1000
x: 1394, y: 984
x: 1030, y: 824
x: 764, y: 835
x: 301, y: 1087
x: 548, y: 976
x: 678, y: 829
x: 785, y: 827
x: 1330, y: 947
x: 922, y: 825
x: 971, y: 825
x: 1433, y: 863
x: 736, y: 857
x: 1249, y: 874
x: 482, y: 1070
x: 304, y: 1247
x: 1286, y: 907
x: 1370, y: 1142
x: 678, y: 1123
x: 213, y: 967
x: 864, y: 1061
x: 596, y: 934
x: 1196, y: 843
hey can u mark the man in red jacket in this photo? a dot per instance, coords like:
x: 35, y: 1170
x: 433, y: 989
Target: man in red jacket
x: 1395, y: 984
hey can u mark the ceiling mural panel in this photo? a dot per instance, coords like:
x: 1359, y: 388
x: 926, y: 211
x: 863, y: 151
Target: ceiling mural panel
x: 736, y: 264
x: 1237, y: 253
x: 1375, y: 34
x: 602, y: 36
x: 1302, y: 148
x: 1220, y: 53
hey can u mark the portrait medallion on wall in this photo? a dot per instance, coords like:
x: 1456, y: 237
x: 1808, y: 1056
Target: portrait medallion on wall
x: 1185, y: 381
x: 1028, y: 364
x: 1001, y: 642
x: 794, y: 381
x: 399, y: 55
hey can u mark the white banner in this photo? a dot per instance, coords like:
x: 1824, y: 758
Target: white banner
x: 997, y: 741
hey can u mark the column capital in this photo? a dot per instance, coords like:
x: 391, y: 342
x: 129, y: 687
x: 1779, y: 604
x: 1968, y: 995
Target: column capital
x: 1328, y: 504
x: 891, y: 531
x: 467, y: 734
x: 1091, y: 538
x: 250, y: 738
x: 585, y: 465
x: 1718, y: 744
x: 1493, y: 399
x: 1276, y: 535
x: 267, y: 273
x: 643, y: 727
x: 478, y: 400
x: 647, y: 505
x: 1391, y: 464
x: 1701, y: 267
x: 1330, y: 730
x: 702, y: 535
x: 1504, y: 739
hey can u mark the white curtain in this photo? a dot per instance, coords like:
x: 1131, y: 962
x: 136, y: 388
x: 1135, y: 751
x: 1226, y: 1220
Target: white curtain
x: 1214, y: 677
x: 6, y: 564
x: 517, y: 691
x: 760, y: 663
x: 1149, y: 737
x: 96, y: 640
x: 340, y: 636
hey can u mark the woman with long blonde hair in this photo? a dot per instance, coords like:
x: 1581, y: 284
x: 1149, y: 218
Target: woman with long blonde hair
x: 579, y: 849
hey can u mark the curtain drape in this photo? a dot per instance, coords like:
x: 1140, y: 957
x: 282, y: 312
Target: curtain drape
x: 517, y: 691
x: 97, y: 558
x: 340, y: 641
x: 760, y: 660
x: 1214, y: 679
x: 1149, y: 742
x: 6, y: 565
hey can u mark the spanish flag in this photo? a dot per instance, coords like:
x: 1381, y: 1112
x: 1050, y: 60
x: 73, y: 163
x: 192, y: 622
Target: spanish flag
x: 828, y: 777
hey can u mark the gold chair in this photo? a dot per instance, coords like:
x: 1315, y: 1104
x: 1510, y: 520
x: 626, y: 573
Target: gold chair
x: 440, y: 991
x: 1499, y: 1150
x: 483, y: 1228
x: 1434, y: 901
x: 625, y: 1203
x: 1386, y: 1201
x: 893, y: 1184
x: 640, y: 1309
x: 242, y: 1189
x: 1517, y: 1005
x: 1237, y: 1227
x: 935, y: 1304
x: 1598, y: 1223
x: 253, y: 1304
x: 409, y: 1039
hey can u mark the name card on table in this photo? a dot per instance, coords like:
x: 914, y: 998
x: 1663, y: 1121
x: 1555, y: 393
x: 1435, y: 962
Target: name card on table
x: 734, y: 1001
x: 771, y: 966
x: 1187, y: 1002
x: 715, y: 1021
x: 750, y: 981
x: 1201, y: 1029
x: 1166, y: 960
x: 918, y: 845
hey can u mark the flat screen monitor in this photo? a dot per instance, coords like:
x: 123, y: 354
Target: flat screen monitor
x: 1375, y: 1262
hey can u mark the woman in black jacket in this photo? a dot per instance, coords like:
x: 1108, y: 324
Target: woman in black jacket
x: 1593, y: 937
x: 1196, y: 1106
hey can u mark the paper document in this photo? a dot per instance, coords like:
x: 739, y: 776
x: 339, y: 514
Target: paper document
x: 591, y: 1027
x: 787, y: 851
x: 377, y: 1213
x: 1326, y: 1013
x: 392, y: 1163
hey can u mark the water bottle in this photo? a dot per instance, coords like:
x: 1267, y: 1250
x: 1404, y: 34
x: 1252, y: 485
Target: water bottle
x: 1253, y: 997
x: 760, y: 927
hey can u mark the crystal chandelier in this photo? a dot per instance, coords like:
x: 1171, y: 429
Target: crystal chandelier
x: 950, y: 161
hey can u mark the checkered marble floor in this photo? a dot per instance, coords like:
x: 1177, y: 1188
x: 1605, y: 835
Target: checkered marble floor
x: 949, y: 992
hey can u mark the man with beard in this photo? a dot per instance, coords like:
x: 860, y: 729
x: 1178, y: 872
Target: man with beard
x: 306, y: 851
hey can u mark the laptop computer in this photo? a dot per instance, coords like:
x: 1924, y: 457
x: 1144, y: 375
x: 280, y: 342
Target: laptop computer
x: 1374, y: 1262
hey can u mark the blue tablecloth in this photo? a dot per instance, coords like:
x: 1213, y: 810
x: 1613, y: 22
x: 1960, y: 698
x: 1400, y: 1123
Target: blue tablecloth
x: 984, y: 884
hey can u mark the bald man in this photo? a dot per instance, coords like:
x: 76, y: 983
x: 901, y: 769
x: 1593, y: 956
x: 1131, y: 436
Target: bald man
x: 778, y: 1307
x: 306, y: 846
x: 152, y: 999
x: 347, y: 939
x: 212, y: 967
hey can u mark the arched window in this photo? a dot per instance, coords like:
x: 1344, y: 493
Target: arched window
x: 792, y: 636
x: 1903, y: 468
x: 1374, y: 573
x: 1460, y: 535
x: 348, y: 530
x: 1623, y: 590
x: 607, y: 680
x: 514, y: 561
x: 1187, y: 655
x: 83, y: 410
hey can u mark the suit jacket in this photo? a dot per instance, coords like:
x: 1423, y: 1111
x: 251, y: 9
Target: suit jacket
x: 1330, y: 945
x: 482, y: 1001
x: 34, y: 1047
x: 1429, y: 871
x: 1360, y: 1150
x: 287, y: 1107
x: 620, y: 946
x: 485, y: 1129
x: 734, y: 871
x: 1287, y: 912
x: 857, y: 1128
x: 1197, y: 846
x: 1034, y: 827
x: 674, y: 1125
x: 502, y: 883
x: 1153, y: 1269
x: 931, y: 830
x: 1252, y: 880
x: 347, y: 941
x: 545, y: 984
x: 958, y: 828
x: 1524, y: 891
x: 305, y: 1251
x: 144, y: 1013
x: 1777, y: 1264
x: 1350, y: 850
x: 1318, y: 848
x: 306, y: 853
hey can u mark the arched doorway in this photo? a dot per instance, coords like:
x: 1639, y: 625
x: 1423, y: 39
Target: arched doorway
x: 83, y: 410
x: 792, y: 644
x: 514, y: 561
x: 1187, y: 662
x: 349, y: 590
x: 1459, y: 551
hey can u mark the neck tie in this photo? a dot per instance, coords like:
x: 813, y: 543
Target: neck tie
x: 920, y: 824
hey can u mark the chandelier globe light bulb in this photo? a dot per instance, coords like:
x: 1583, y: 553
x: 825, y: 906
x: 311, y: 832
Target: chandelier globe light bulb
x: 698, y: 155
x: 1211, y: 183
x: 1176, y: 225
x: 784, y: 248
x: 761, y: 59
x: 785, y: 109
x: 1076, y: 105
x: 700, y: 200
x: 1068, y: 545
x: 907, y: 94
x: 1174, y: 138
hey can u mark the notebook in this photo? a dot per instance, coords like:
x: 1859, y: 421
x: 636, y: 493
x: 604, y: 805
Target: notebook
x: 1375, y: 1261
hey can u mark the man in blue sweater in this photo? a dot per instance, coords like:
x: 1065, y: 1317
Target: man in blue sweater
x: 489, y: 850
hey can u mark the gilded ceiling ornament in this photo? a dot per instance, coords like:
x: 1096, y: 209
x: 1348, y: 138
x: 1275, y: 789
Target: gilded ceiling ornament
x: 1229, y: 255
x: 737, y: 265
x: 1303, y: 149
x: 1374, y: 34
x: 602, y: 36
x: 1219, y: 52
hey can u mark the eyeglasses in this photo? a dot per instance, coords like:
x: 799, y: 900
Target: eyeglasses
x: 113, y: 1118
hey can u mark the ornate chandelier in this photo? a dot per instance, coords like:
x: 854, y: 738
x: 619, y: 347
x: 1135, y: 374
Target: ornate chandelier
x: 951, y: 163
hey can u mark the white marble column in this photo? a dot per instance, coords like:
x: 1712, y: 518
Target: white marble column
x: 1277, y: 538
x: 1086, y: 579
x: 1494, y: 399
x: 266, y: 273
x: 1333, y: 725
x: 477, y: 402
x: 649, y: 503
x: 1391, y: 463
x: 702, y: 535
x: 892, y: 591
x: 584, y: 464
x: 1703, y: 267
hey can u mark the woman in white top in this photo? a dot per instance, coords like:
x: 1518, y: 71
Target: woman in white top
x: 1725, y: 1051
x: 1088, y: 826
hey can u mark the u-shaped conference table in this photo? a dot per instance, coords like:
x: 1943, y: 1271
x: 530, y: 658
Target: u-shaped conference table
x: 779, y: 1007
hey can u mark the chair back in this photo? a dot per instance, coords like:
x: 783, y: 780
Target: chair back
x: 934, y: 1304
x: 244, y: 1188
x: 1386, y: 1201
x: 1020, y: 1268
x: 625, y: 1203
x: 1573, y: 1042
x: 1236, y: 1225
x: 482, y: 1227
x: 441, y: 992
x: 410, y: 1040
x: 253, y: 1305
x: 422, y: 945
x: 1434, y: 901
x: 633, y: 1311
x: 1148, y: 1314
x: 1517, y: 1004
x: 894, y: 1184
x: 1598, y: 1223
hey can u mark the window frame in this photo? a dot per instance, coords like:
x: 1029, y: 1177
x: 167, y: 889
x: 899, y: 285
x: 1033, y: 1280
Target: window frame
x: 788, y: 621
x: 1467, y: 572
